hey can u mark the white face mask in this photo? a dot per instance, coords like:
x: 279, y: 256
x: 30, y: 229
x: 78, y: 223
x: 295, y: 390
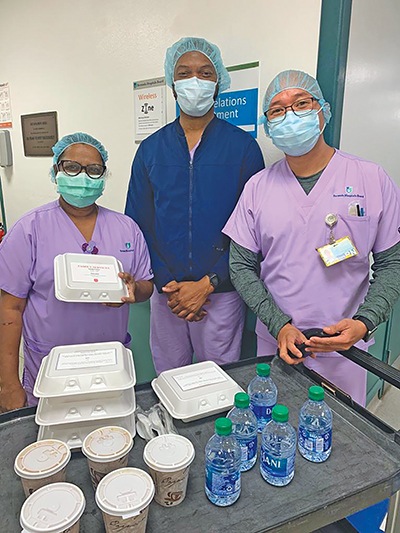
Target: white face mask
x: 195, y: 97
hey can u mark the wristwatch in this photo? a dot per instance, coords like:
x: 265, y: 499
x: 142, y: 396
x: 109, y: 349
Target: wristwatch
x: 213, y: 279
x: 369, y: 325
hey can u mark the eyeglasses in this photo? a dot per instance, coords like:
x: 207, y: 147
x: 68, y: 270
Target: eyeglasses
x: 300, y: 108
x: 73, y: 168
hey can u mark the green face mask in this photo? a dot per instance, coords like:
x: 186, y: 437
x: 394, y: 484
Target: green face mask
x: 80, y: 190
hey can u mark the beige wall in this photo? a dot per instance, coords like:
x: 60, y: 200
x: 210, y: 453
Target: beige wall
x: 80, y: 57
x: 371, y: 113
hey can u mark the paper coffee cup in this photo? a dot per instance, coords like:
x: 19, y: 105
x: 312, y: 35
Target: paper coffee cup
x: 56, y: 508
x: 123, y: 497
x: 42, y: 463
x: 169, y: 458
x: 107, y: 449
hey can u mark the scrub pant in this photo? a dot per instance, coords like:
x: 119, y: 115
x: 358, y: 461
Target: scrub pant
x: 216, y: 338
x: 345, y: 374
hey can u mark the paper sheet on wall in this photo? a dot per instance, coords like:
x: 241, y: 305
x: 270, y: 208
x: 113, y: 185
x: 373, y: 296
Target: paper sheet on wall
x: 5, y: 106
x: 149, y: 106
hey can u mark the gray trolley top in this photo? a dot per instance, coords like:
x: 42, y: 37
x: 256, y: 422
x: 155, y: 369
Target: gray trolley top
x: 364, y: 468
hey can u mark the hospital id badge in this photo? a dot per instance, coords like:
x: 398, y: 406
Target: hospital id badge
x: 338, y: 251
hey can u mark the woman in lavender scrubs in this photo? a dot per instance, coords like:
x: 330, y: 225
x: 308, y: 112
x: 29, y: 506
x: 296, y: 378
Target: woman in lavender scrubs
x: 73, y: 223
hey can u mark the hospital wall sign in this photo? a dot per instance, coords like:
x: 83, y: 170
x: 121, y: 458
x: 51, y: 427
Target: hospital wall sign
x: 39, y: 133
x: 239, y: 108
x: 149, y: 106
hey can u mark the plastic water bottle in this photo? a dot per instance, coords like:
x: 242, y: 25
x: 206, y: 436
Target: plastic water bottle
x: 278, y: 448
x: 315, y: 427
x: 263, y: 393
x: 244, y: 428
x: 223, y: 459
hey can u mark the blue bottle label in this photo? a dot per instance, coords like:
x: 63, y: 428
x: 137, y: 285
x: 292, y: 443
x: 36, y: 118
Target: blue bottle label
x: 276, y: 466
x: 222, y: 484
x: 262, y: 411
x: 315, y: 443
x: 248, y: 449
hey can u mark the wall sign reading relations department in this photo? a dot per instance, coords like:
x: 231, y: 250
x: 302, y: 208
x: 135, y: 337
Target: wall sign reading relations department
x: 39, y: 133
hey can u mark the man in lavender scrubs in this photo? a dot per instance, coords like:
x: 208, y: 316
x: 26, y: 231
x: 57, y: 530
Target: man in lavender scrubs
x: 316, y: 195
x: 73, y: 223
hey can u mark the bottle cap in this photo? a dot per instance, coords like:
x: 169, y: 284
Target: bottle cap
x: 242, y: 400
x: 280, y: 413
x: 263, y: 369
x: 316, y: 393
x: 223, y: 426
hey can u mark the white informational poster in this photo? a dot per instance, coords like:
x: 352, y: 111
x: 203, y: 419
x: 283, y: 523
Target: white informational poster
x: 5, y: 106
x: 92, y: 272
x: 149, y: 106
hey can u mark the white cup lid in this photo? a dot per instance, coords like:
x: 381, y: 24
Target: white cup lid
x: 52, y: 509
x: 107, y: 444
x: 168, y: 453
x: 125, y: 492
x: 41, y: 459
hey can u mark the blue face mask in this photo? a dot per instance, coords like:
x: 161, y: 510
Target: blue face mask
x: 296, y: 135
x: 195, y: 97
x: 80, y: 190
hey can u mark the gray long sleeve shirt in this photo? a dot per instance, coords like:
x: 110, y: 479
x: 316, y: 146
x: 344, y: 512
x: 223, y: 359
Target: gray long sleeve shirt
x: 383, y: 293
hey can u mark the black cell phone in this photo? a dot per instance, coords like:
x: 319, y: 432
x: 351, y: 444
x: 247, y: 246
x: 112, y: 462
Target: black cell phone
x: 308, y: 333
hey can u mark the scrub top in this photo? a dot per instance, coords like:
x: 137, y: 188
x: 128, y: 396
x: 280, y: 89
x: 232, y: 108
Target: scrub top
x: 276, y: 217
x: 26, y: 271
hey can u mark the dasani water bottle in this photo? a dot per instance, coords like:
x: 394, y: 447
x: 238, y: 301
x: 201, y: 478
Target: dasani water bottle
x: 278, y: 448
x: 244, y: 428
x: 315, y: 427
x: 263, y: 394
x: 223, y: 460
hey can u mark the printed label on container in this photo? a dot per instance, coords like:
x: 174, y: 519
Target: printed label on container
x: 93, y: 273
x: 276, y: 466
x: 262, y: 412
x: 248, y: 449
x: 73, y: 360
x: 315, y: 443
x: 194, y: 380
x: 222, y: 485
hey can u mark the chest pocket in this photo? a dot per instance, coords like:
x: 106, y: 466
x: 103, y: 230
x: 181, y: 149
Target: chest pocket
x: 357, y: 228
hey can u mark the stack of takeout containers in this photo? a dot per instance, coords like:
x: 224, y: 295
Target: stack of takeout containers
x: 84, y: 387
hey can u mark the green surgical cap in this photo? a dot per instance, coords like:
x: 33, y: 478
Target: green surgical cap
x: 294, y: 79
x: 196, y: 44
x: 76, y: 138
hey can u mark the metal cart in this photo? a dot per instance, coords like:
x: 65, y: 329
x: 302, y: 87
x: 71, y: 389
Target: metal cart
x: 364, y: 467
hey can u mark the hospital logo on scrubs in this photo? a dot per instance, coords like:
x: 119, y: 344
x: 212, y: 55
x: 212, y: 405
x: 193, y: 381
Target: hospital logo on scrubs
x: 349, y: 190
x: 128, y: 247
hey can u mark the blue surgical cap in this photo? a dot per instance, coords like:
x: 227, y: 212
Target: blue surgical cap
x: 76, y: 138
x: 196, y: 44
x: 294, y: 79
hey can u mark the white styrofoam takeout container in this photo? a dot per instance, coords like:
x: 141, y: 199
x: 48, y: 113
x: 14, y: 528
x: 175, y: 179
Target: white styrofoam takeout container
x: 85, y: 369
x: 195, y: 391
x: 75, y: 433
x: 64, y: 410
x: 88, y: 278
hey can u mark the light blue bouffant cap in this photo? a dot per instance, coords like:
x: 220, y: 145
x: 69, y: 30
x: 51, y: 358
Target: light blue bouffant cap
x: 294, y: 79
x: 196, y: 44
x: 76, y: 138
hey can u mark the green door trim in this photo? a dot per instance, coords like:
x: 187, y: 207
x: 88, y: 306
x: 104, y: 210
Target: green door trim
x: 3, y: 211
x: 332, y: 61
